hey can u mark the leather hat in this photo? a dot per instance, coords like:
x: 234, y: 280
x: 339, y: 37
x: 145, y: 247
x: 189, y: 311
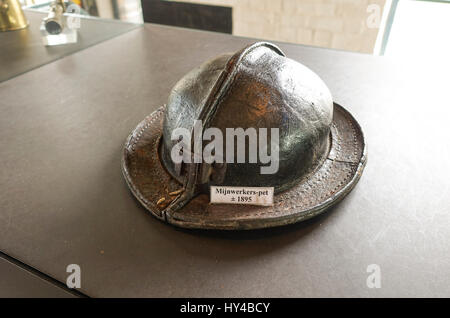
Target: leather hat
x: 321, y: 151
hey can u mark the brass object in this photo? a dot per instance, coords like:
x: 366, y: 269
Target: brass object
x: 11, y: 16
x: 322, y: 149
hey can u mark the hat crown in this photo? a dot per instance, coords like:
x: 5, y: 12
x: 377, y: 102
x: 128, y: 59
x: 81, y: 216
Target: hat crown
x: 257, y: 87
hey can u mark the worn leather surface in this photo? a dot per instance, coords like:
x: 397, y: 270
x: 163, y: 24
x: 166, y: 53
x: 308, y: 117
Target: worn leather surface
x: 256, y: 87
x: 329, y: 183
x: 261, y: 88
x: 64, y: 200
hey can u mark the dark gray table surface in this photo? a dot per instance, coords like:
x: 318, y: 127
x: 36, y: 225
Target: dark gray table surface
x: 64, y: 201
x: 16, y: 281
x: 22, y: 50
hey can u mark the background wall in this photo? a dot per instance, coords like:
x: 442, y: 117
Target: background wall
x: 339, y: 24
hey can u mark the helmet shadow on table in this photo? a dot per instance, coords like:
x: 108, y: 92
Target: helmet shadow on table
x: 232, y: 245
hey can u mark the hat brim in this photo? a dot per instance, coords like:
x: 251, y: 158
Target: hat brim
x: 153, y: 186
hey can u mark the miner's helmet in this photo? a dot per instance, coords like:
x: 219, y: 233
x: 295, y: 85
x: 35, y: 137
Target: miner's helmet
x: 320, y: 149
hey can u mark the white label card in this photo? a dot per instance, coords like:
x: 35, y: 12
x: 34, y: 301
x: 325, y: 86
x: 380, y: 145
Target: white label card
x: 242, y: 195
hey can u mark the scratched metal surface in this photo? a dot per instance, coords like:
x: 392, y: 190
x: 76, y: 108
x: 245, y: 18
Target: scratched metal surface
x: 63, y: 199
